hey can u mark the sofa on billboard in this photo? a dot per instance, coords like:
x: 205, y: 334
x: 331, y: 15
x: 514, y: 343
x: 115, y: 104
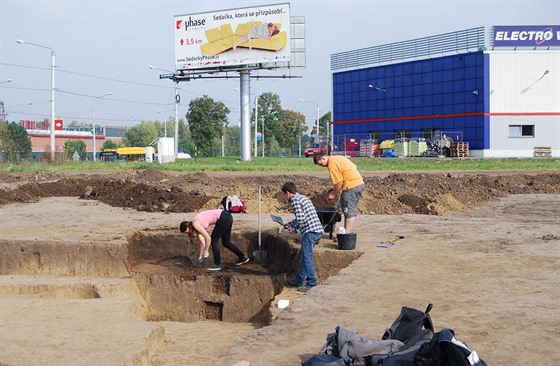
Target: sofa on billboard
x: 223, y: 38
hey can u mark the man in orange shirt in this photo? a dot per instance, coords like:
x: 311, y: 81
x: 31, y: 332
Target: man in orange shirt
x: 347, y: 181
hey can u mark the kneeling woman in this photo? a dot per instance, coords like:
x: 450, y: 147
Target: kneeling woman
x: 223, y: 222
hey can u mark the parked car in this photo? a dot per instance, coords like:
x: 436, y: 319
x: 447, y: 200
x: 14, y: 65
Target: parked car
x: 314, y: 149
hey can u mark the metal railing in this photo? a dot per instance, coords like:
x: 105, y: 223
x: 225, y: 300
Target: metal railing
x: 468, y: 40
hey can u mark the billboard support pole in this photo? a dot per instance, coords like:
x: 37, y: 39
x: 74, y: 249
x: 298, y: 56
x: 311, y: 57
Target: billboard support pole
x: 245, y: 93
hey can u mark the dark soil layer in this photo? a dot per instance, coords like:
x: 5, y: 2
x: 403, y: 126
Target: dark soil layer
x: 153, y: 190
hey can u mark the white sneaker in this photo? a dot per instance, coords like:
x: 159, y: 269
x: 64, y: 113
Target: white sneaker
x: 342, y: 230
x: 206, y: 255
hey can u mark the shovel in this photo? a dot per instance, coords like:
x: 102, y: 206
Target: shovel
x: 388, y: 244
x: 260, y: 255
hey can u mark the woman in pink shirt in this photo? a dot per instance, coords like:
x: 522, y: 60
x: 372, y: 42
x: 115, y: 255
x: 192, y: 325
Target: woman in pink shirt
x: 223, y: 222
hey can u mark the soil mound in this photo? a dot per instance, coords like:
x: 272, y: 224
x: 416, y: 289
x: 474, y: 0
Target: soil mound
x: 153, y: 190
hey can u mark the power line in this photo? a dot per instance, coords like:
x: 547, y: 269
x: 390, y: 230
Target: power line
x: 60, y: 70
x: 87, y: 96
x: 20, y: 88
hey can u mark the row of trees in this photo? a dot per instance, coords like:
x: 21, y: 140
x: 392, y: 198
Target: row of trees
x: 15, y: 145
x: 206, y: 132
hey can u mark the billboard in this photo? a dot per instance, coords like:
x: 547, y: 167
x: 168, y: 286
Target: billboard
x: 235, y: 37
x: 527, y: 36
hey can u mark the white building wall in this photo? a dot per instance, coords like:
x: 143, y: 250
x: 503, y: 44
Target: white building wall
x: 518, y: 82
x: 522, y: 84
x: 547, y: 133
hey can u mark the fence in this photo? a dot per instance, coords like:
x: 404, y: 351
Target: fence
x: 435, y: 143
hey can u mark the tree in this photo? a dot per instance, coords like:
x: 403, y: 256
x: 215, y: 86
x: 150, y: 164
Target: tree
x: 232, y: 141
x: 166, y: 128
x: 269, y: 112
x: 72, y: 146
x: 206, y: 119
x: 324, y: 120
x: 14, y: 141
x: 292, y: 126
x: 4, y: 137
x: 142, y: 134
x: 109, y: 144
x: 185, y: 139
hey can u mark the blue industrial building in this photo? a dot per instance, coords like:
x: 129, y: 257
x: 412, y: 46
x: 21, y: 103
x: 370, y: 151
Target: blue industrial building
x: 503, y: 100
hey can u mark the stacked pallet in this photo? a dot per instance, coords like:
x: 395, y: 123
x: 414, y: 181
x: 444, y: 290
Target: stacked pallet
x: 376, y: 150
x: 366, y: 148
x: 401, y: 147
x: 417, y: 147
x: 543, y: 152
x: 369, y: 148
x: 460, y: 150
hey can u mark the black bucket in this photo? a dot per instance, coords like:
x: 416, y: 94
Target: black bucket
x: 346, y: 241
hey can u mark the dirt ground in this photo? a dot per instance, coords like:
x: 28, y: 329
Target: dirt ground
x: 152, y: 190
x: 483, y: 247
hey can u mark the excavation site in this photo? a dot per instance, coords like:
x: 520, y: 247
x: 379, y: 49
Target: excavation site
x: 175, y: 289
x: 94, y: 269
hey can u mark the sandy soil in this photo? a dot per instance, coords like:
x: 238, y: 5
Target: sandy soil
x: 483, y: 247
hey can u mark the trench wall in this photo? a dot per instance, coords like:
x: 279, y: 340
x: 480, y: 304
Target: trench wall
x: 175, y: 289
x: 162, y: 278
x: 93, y: 259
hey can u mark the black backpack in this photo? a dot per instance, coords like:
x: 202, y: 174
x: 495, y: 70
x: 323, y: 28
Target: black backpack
x: 445, y: 350
x: 412, y: 327
x: 409, y: 323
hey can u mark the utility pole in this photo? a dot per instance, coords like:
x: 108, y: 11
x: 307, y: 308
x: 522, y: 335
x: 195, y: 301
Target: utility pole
x: 53, y: 66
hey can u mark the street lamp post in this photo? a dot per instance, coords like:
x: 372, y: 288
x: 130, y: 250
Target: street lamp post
x: 165, y: 119
x: 256, y: 123
x: 306, y: 101
x: 53, y: 63
x: 93, y: 121
x: 2, y: 113
x: 262, y: 137
x: 177, y: 101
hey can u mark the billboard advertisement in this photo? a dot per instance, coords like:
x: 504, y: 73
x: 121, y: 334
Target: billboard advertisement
x: 527, y: 36
x: 235, y: 37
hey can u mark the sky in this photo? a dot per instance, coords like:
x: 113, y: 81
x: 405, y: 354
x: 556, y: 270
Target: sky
x: 104, y: 47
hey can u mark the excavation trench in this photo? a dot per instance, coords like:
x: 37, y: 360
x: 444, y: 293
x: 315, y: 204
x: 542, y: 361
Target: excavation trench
x: 175, y: 289
x: 156, y: 273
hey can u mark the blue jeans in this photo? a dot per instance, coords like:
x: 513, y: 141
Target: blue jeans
x: 306, y: 274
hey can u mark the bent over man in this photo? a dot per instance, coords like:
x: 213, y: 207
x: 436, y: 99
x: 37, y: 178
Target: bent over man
x: 347, y: 181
